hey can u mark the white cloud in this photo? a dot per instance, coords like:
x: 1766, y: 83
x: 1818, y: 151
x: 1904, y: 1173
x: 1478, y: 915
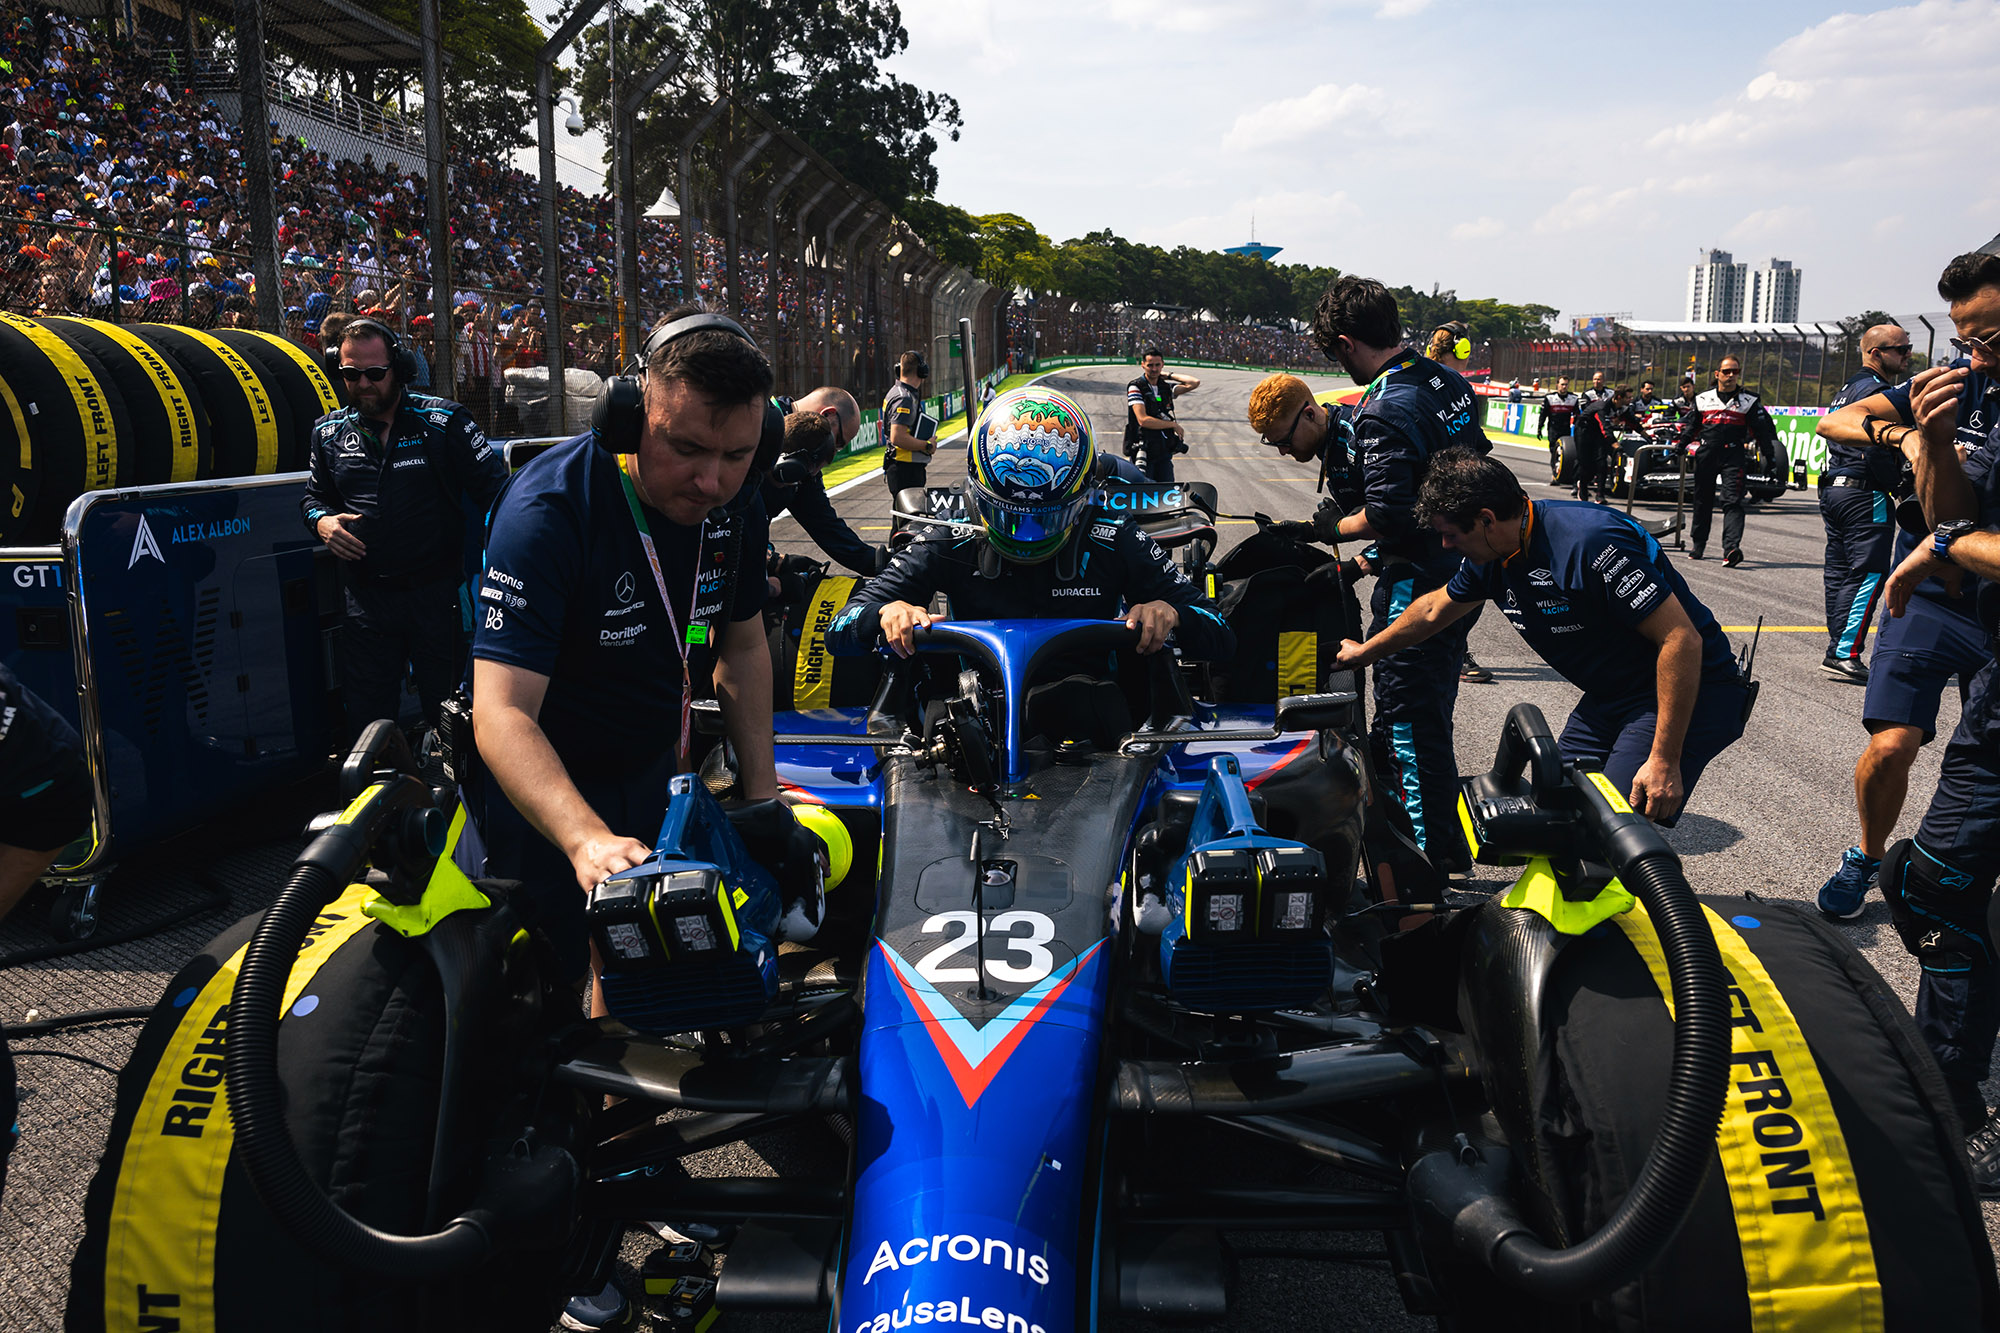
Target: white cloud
x: 1479, y: 229
x: 1183, y: 16
x: 1331, y: 106
x: 1401, y: 9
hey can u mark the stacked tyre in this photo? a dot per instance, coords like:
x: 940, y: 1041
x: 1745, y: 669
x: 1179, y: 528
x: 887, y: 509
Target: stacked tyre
x: 86, y: 405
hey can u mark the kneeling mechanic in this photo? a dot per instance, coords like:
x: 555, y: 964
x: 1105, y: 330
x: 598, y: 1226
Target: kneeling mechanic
x: 1593, y: 593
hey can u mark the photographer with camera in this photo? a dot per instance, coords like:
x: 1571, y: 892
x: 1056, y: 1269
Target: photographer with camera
x: 1149, y: 416
x: 909, y: 437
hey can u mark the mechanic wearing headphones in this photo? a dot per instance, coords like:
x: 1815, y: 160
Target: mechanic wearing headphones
x: 1939, y: 884
x: 399, y: 482
x: 909, y: 437
x: 1412, y: 410
x: 817, y: 427
x: 611, y: 591
x: 1041, y: 551
x: 1593, y: 593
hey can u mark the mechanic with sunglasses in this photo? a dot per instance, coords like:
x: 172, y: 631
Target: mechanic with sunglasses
x: 1857, y: 497
x: 1937, y: 635
x: 818, y: 427
x: 399, y: 489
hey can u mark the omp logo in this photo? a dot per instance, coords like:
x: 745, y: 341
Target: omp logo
x: 150, y: 1321
x: 200, y: 1087
x: 143, y: 544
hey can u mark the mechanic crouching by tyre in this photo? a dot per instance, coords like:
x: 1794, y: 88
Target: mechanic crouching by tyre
x: 1939, y: 884
x: 1723, y: 421
x: 45, y: 804
x: 1042, y: 551
x: 1412, y: 410
x: 817, y: 427
x: 1857, y: 502
x: 1593, y: 593
x: 397, y: 481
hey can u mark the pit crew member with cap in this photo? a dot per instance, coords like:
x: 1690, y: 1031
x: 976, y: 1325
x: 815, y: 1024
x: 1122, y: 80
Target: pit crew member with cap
x: 1939, y: 884
x: 609, y: 598
x: 909, y: 437
x: 1149, y: 415
x: 1724, y: 419
x: 1857, y: 502
x: 398, y: 482
x: 1040, y: 550
x: 1412, y: 410
x: 1593, y: 593
x: 45, y: 803
x: 817, y: 427
x: 1938, y: 636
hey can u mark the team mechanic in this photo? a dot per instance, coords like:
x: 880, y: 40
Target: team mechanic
x: 1042, y: 550
x: 1593, y: 593
x: 1937, y: 636
x: 1412, y: 410
x: 1149, y: 416
x: 1857, y: 501
x: 1723, y: 419
x: 1939, y: 884
x: 1558, y: 411
x: 817, y: 427
x: 907, y: 445
x: 394, y: 477
x: 1597, y: 427
x: 45, y: 803
x: 611, y: 591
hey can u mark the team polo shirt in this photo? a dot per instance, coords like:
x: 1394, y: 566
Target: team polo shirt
x: 567, y: 593
x: 1978, y: 416
x: 1583, y: 580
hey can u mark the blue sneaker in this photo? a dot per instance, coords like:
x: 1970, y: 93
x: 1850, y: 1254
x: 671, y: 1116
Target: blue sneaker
x: 607, y: 1309
x: 1843, y: 896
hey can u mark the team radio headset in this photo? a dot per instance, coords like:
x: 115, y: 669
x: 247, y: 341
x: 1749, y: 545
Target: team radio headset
x: 616, y: 422
x: 402, y: 361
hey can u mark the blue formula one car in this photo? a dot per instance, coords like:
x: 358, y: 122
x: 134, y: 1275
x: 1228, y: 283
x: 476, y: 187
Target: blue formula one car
x: 1083, y: 1021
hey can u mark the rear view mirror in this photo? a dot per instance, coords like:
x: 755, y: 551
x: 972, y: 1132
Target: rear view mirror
x: 1317, y: 712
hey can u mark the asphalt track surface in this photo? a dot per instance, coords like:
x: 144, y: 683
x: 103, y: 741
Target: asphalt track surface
x: 1771, y: 816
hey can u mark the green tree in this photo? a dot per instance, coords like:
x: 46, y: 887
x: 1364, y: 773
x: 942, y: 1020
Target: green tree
x: 488, y: 79
x: 1013, y: 254
x: 1854, y: 326
x: 815, y: 67
x: 950, y: 231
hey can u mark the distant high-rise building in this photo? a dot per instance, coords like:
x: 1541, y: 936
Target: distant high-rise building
x: 1774, y: 293
x: 1716, y: 289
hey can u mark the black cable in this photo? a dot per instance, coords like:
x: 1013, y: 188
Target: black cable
x: 215, y: 900
x: 71, y: 1055
x: 82, y: 1018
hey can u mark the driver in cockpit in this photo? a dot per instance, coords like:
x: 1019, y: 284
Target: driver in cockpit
x: 1035, y: 547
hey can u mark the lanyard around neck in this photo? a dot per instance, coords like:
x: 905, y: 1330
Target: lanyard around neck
x: 683, y: 643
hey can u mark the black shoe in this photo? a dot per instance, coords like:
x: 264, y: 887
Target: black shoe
x: 1731, y: 559
x: 1695, y: 553
x: 1982, y: 1146
x: 1849, y: 669
x: 1472, y: 673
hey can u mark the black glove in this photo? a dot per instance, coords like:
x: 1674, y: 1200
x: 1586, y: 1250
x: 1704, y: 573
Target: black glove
x: 1295, y: 532
x: 1326, y: 522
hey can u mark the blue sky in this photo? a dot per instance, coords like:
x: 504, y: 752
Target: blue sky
x: 1574, y: 154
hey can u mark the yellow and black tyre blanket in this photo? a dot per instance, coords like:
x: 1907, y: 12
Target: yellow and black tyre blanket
x: 176, y: 1237
x: 1839, y: 1197
x: 805, y: 675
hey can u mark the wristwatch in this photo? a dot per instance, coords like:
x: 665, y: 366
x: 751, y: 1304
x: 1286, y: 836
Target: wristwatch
x: 1944, y: 534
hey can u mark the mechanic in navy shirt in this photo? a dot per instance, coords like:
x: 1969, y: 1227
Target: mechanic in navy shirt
x: 1412, y: 410
x: 1937, y: 636
x: 1593, y: 593
x: 1857, y: 502
x: 585, y: 656
x: 398, y: 480
x: 817, y: 427
x: 1939, y: 884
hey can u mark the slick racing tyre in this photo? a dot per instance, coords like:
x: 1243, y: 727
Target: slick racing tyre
x: 297, y: 378
x: 1564, y: 461
x: 1838, y: 1194
x: 250, y: 418
x: 78, y: 436
x: 170, y: 424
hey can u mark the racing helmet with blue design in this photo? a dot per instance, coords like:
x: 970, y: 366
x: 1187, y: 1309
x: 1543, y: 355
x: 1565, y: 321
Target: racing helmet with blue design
x: 1029, y: 472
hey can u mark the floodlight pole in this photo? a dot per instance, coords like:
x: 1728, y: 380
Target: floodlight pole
x: 545, y: 125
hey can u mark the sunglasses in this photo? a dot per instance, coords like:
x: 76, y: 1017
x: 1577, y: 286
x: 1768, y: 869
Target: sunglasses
x: 353, y: 374
x: 1285, y: 441
x: 1729, y: 371
x: 1900, y: 349
x: 1969, y: 344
